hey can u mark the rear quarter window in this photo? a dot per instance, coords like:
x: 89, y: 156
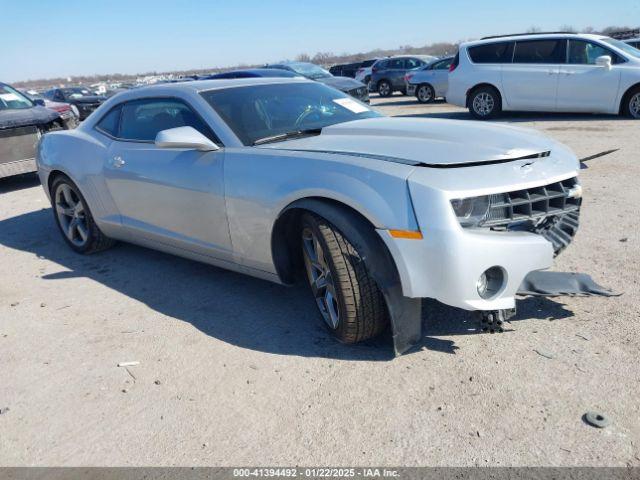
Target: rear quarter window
x: 499, y: 52
x: 110, y: 122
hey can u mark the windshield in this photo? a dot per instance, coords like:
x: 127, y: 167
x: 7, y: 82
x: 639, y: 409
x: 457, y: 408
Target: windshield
x: 76, y: 92
x: 12, y: 99
x: 259, y: 111
x: 625, y: 47
x: 310, y: 70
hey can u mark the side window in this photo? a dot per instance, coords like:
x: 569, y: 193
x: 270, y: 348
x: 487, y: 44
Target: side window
x: 396, y: 64
x: 443, y: 65
x: 110, y: 122
x: 58, y: 96
x: 500, y: 52
x: 141, y: 120
x: 540, y: 51
x: 382, y: 65
x: 411, y: 63
x: 585, y: 53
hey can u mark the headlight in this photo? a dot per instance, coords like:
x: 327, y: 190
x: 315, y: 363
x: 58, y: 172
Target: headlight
x: 470, y: 211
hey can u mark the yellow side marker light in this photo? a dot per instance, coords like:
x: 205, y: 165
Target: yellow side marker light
x: 408, y: 234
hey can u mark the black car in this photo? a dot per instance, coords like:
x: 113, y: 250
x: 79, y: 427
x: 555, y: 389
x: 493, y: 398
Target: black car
x: 83, y: 99
x: 251, y: 73
x: 22, y: 122
x: 345, y: 69
x: 314, y: 72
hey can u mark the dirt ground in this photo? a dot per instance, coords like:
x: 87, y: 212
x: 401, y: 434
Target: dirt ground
x: 238, y: 371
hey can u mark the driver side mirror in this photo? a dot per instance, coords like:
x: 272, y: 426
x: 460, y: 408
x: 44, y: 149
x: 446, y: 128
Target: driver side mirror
x: 39, y: 102
x: 185, y: 137
x: 604, y: 61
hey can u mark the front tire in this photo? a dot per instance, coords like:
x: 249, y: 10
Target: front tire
x: 351, y: 304
x: 425, y: 93
x: 74, y: 218
x: 631, y: 106
x: 484, y: 103
x: 384, y: 88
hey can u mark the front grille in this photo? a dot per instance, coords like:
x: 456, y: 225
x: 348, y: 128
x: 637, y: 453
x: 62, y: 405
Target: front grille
x: 532, y: 203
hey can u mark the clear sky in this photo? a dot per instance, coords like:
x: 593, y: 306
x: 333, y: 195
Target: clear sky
x: 45, y: 38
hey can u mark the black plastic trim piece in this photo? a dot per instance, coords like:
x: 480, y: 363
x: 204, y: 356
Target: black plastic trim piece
x: 415, y: 163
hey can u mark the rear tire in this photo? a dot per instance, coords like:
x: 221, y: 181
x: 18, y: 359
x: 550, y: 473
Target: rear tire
x: 384, y: 88
x: 351, y: 304
x: 425, y: 93
x: 74, y: 219
x: 631, y: 104
x: 484, y: 103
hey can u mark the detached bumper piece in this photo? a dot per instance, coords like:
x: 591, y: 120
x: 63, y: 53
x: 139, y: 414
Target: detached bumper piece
x: 554, y: 284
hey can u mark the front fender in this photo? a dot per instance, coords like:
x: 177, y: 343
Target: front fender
x: 405, y: 313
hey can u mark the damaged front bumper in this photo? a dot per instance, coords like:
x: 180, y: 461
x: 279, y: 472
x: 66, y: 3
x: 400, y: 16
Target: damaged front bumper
x: 448, y: 265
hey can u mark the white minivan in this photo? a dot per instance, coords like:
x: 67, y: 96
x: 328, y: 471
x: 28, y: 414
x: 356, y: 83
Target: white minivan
x: 550, y: 72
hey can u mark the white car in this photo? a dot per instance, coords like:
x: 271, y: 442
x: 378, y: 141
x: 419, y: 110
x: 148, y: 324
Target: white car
x: 430, y: 82
x: 283, y: 178
x: 547, y: 73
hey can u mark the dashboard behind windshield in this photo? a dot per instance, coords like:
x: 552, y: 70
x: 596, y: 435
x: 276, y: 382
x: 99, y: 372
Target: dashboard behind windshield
x: 259, y: 111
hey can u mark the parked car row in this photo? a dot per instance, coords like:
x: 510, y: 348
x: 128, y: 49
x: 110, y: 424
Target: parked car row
x: 544, y: 72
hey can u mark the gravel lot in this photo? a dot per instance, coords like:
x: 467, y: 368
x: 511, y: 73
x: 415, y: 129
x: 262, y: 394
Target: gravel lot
x: 238, y: 371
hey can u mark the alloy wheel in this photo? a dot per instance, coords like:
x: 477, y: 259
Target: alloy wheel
x: 320, y: 278
x: 634, y: 106
x: 384, y: 89
x: 71, y: 215
x: 483, y: 104
x: 424, y: 94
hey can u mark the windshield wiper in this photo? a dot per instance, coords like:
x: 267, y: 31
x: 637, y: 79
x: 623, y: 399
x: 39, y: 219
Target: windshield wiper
x: 285, y: 136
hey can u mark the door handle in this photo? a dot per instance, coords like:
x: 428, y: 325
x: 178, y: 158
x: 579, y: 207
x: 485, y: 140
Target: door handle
x: 117, y: 161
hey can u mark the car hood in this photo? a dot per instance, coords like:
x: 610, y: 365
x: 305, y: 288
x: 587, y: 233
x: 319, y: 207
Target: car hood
x: 426, y: 142
x: 341, y: 83
x: 26, y: 116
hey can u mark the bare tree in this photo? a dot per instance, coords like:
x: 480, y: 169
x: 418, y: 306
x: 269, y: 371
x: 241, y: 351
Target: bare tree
x: 567, y: 28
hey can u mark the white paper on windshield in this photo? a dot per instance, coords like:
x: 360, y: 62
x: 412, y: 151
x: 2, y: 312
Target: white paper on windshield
x: 350, y: 104
x: 9, y: 97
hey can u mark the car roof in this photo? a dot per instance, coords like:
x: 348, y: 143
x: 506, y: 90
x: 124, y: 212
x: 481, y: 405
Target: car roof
x: 203, y: 85
x: 532, y: 36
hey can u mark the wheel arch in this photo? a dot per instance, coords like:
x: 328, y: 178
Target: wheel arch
x: 384, y: 79
x: 625, y: 97
x: 285, y: 248
x: 404, y: 312
x: 480, y: 85
x: 52, y: 175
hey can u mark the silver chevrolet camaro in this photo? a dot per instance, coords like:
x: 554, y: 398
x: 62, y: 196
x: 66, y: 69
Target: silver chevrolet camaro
x: 276, y: 177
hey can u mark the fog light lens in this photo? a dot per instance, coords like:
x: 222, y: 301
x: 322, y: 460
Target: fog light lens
x: 490, y: 282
